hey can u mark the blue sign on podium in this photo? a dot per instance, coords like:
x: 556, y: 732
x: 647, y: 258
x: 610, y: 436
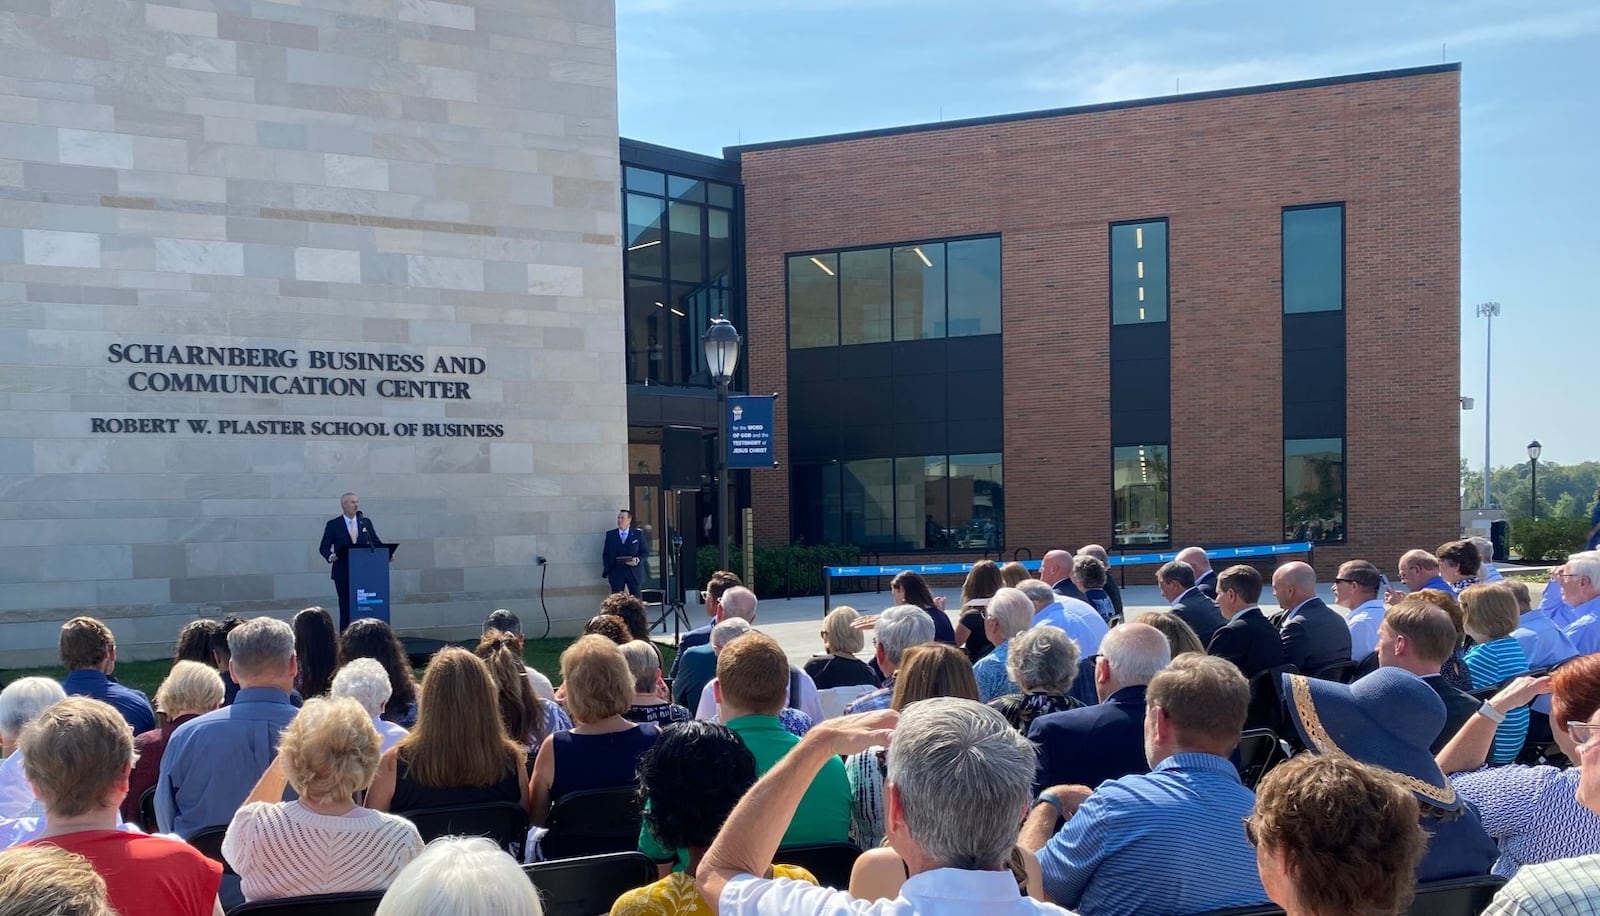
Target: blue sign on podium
x: 750, y: 431
x: 369, y: 581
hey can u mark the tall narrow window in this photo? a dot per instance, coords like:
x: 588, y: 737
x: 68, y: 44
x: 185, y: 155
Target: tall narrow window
x: 919, y: 291
x: 1313, y: 259
x: 974, y: 287
x: 1141, y: 495
x: 1139, y: 272
x: 814, y: 301
x: 864, y: 296
x: 1313, y: 489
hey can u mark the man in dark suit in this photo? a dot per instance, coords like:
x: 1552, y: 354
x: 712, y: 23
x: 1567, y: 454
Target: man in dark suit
x: 622, y: 559
x: 1314, y: 635
x: 716, y: 587
x: 1205, y: 578
x: 1056, y: 569
x: 1418, y: 637
x: 1248, y: 639
x: 349, y: 529
x: 1176, y: 581
x: 1087, y: 746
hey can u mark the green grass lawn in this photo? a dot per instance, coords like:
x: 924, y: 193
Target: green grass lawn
x: 541, y: 654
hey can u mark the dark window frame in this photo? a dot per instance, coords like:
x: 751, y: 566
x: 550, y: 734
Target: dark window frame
x: 1344, y: 484
x: 1111, y: 277
x: 1344, y: 256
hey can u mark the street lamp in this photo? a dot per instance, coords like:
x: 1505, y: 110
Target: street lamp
x: 1533, y: 477
x: 722, y: 342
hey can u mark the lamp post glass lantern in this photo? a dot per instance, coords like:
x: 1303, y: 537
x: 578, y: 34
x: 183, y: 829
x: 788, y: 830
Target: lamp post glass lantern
x: 722, y: 342
x: 1534, y: 448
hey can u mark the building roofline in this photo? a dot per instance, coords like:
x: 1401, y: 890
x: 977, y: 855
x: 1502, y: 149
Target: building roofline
x: 734, y: 152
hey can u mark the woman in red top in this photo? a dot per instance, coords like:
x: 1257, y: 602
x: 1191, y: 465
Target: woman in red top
x: 78, y: 756
x: 191, y: 689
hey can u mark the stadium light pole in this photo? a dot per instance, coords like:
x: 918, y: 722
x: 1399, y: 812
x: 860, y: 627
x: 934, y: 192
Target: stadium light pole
x: 1490, y: 311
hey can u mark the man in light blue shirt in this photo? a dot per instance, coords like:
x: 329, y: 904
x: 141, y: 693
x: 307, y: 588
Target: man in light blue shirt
x: 212, y: 762
x: 1579, y: 579
x: 896, y: 630
x: 1355, y: 587
x: 1008, y: 613
x: 1171, y: 840
x: 1082, y: 623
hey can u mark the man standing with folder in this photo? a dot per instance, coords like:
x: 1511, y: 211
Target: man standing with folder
x: 349, y: 529
x: 622, y: 560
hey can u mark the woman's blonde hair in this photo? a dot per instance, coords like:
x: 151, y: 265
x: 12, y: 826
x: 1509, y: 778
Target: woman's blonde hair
x: 839, y: 632
x: 1180, y: 636
x: 1491, y: 611
x: 459, y: 739
x: 329, y: 752
x: 933, y: 669
x: 47, y: 880
x: 1013, y: 573
x: 190, y: 687
x: 599, y: 684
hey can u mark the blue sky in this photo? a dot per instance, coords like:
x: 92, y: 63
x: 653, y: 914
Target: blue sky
x: 704, y: 74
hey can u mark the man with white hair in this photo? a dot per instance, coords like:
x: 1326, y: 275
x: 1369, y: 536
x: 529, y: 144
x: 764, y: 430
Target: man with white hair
x: 896, y: 630
x: 1106, y: 740
x: 1099, y: 553
x: 1009, y: 613
x: 957, y: 781
x: 1082, y: 624
x: 1485, y: 549
x: 1579, y: 580
x: 1205, y: 578
x: 21, y: 702
x: 365, y: 681
x: 696, y: 667
x: 213, y: 762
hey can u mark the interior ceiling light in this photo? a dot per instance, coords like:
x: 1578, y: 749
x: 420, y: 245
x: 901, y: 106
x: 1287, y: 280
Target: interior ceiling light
x: 643, y: 245
x: 925, y: 261
x: 825, y: 268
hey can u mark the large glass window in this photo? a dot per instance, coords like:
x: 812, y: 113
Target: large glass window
x: 869, y: 502
x: 1141, y: 495
x: 679, y: 258
x: 1139, y: 272
x: 936, y: 502
x: 864, y: 296
x: 1313, y: 489
x: 977, y: 501
x: 974, y: 285
x: 919, y: 291
x: 902, y: 292
x: 1313, y: 259
x: 814, y: 301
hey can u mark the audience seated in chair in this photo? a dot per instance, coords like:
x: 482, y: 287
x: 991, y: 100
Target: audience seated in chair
x: 926, y: 671
x: 895, y: 630
x: 78, y: 755
x: 458, y: 752
x: 1335, y: 837
x: 47, y: 881
x: 372, y: 638
x: 90, y: 653
x: 690, y: 780
x: 365, y: 681
x: 652, y: 702
x: 1180, y: 636
x: 1009, y: 613
x: 528, y: 718
x: 602, y: 749
x: 838, y: 665
x: 190, y: 690
x: 752, y: 685
x: 461, y: 876
x: 958, y: 780
x: 1419, y: 637
x: 1043, y: 663
x: 316, y: 650
x: 322, y: 842
x: 21, y: 703
x: 1126, y: 846
x: 1533, y: 813
x: 213, y: 761
x: 1385, y: 720
x: 1565, y: 886
x: 1491, y: 618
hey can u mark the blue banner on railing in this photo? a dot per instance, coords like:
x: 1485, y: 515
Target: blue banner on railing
x: 750, y: 431
x: 1128, y: 559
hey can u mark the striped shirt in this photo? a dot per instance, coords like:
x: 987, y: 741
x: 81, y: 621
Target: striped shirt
x: 1130, y: 848
x: 1532, y: 813
x: 1565, y: 887
x: 1493, y: 663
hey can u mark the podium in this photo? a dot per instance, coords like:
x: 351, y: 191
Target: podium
x: 369, y: 580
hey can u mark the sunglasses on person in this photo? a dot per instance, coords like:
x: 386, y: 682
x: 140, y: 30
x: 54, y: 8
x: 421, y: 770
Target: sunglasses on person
x: 1250, y: 831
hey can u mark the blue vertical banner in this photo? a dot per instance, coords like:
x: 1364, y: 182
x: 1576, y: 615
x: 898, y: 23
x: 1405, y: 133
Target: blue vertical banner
x: 750, y: 431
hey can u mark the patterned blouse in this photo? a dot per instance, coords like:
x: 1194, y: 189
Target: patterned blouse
x: 1020, y: 709
x: 1532, y: 812
x: 676, y: 895
x: 657, y: 713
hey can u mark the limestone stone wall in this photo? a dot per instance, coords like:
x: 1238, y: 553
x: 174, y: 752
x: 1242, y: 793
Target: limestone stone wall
x: 188, y: 187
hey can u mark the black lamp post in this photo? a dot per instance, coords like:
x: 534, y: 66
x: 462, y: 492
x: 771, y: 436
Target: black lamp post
x: 1533, y: 476
x: 722, y: 342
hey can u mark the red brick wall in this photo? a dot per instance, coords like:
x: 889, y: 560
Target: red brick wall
x: 1221, y: 169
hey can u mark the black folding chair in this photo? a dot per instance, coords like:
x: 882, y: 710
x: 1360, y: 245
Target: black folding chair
x: 1259, y: 752
x: 1344, y: 672
x: 1264, y: 910
x: 359, y: 903
x: 208, y: 840
x: 588, y: 885
x: 147, y: 810
x: 1456, y: 897
x: 593, y: 822
x: 504, y: 822
x: 830, y: 863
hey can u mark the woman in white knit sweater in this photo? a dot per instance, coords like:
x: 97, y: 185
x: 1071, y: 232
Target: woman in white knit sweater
x: 322, y: 843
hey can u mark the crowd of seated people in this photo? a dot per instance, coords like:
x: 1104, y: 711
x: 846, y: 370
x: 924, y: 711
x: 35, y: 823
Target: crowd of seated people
x: 970, y: 778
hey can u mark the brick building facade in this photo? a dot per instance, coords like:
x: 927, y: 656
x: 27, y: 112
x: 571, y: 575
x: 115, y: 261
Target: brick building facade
x: 1222, y: 170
